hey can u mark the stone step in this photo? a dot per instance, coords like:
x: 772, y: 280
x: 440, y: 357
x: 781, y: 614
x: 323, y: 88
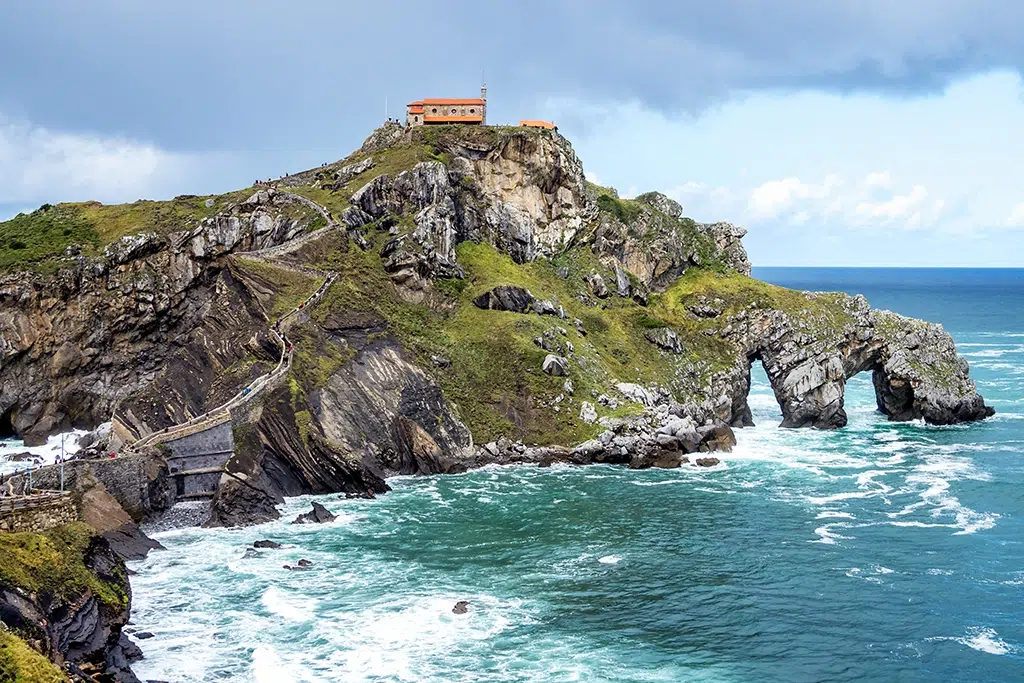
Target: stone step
x: 196, y: 496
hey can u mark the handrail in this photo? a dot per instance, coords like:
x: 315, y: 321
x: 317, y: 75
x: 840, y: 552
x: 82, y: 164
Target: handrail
x: 32, y: 500
x: 223, y: 412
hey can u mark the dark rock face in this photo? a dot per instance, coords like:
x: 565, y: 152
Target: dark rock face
x: 266, y: 544
x: 505, y: 298
x: 318, y: 515
x: 461, y: 607
x: 64, y: 365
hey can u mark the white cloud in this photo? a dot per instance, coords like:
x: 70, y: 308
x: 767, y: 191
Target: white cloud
x: 1016, y: 217
x: 39, y: 165
x: 776, y: 197
x: 898, y: 206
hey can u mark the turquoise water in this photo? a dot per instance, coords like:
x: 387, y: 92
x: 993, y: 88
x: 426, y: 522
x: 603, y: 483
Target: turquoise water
x: 880, y: 552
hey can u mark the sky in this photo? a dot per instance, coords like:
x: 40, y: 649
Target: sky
x: 838, y: 133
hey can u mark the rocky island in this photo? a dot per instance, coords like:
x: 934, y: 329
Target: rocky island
x: 441, y: 299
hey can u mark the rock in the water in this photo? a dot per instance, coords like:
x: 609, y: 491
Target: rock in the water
x: 461, y: 607
x: 305, y: 563
x: 266, y: 543
x: 719, y: 437
x: 143, y: 635
x: 250, y: 553
x: 706, y: 462
x: 505, y: 298
x: 555, y: 365
x: 665, y: 338
x: 318, y: 515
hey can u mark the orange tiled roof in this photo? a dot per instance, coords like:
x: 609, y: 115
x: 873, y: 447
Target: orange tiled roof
x: 415, y: 108
x: 451, y: 101
x: 417, y: 103
x: 453, y: 119
x: 536, y: 123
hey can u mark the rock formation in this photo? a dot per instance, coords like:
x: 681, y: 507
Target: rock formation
x: 411, y: 359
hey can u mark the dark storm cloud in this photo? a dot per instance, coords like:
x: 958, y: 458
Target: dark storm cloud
x: 301, y: 75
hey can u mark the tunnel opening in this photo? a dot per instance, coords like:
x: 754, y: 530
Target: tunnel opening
x: 7, y: 424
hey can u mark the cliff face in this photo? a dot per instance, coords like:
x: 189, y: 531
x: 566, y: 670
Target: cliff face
x: 66, y: 594
x: 481, y: 292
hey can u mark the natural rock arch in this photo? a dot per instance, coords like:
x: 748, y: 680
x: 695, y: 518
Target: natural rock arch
x: 916, y: 371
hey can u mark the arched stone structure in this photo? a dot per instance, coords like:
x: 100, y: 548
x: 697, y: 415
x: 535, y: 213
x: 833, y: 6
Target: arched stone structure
x: 916, y: 371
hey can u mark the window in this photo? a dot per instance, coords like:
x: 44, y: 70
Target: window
x: 416, y: 119
x: 472, y: 111
x: 434, y: 110
x: 453, y: 110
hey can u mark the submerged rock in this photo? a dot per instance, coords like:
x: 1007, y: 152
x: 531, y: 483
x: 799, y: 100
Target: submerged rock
x: 266, y: 543
x: 318, y: 515
x: 461, y: 607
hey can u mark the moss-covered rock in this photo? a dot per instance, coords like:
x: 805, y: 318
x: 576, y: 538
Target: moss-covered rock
x: 66, y: 594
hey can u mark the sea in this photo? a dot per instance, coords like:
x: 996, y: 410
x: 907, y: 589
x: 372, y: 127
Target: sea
x: 877, y: 552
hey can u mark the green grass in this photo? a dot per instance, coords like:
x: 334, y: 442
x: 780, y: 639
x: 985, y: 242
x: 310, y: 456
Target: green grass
x: 46, y: 232
x: 495, y: 377
x: 279, y: 289
x: 19, y: 663
x: 33, y: 240
x: 53, y: 564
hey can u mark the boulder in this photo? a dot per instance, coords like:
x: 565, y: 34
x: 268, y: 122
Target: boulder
x: 461, y: 607
x: 664, y: 338
x: 706, y: 462
x: 318, y: 515
x: 266, y: 543
x: 588, y: 412
x: 718, y: 437
x: 544, y: 307
x: 597, y: 286
x: 557, y: 366
x: 505, y: 298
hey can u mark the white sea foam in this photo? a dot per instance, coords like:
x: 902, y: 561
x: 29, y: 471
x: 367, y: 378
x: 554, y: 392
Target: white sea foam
x: 610, y: 559
x: 982, y: 639
x: 47, y: 454
x: 290, y: 607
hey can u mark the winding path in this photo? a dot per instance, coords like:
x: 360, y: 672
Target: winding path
x: 222, y: 413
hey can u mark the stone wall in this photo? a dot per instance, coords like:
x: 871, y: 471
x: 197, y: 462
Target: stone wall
x: 41, y: 518
x: 195, y: 461
x: 139, y: 482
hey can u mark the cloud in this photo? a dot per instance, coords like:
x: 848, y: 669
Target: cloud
x: 779, y: 196
x: 896, y: 207
x: 832, y: 201
x: 154, y: 71
x: 1016, y: 217
x: 39, y: 165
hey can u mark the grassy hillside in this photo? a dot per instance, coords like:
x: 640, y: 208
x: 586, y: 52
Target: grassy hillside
x: 32, y: 240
